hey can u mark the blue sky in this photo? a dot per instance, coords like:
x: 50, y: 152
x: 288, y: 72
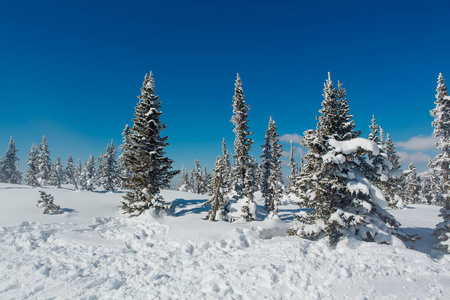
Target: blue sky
x: 72, y: 69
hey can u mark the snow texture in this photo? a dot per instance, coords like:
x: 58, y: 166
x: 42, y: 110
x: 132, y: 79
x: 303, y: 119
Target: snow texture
x: 93, y: 251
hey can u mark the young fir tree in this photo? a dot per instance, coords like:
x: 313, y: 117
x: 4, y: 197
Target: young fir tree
x: 107, y: 169
x: 78, y: 174
x: 123, y: 170
x: 242, y: 142
x: 57, y: 175
x: 33, y: 168
x: 219, y: 205
x: 227, y: 172
x: 426, y: 188
x: 248, y: 209
x: 293, y: 164
x: 8, y: 169
x: 198, y: 177
x: 412, y: 185
x: 441, y: 163
x: 184, y: 180
x: 145, y: 156
x: 331, y: 182
x: 272, y: 179
x: 88, y: 175
x: 207, y: 188
x: 44, y: 163
x: 47, y: 203
x: 70, y: 171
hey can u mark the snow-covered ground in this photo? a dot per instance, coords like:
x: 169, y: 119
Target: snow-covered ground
x: 93, y: 251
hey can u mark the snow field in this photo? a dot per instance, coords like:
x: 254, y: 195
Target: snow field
x: 179, y: 255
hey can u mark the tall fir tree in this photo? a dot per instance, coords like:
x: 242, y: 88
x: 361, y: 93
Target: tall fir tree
x: 107, y: 169
x: 441, y: 163
x: 272, y: 178
x: 44, y: 163
x: 9, y: 172
x: 329, y: 184
x: 33, y: 167
x: 145, y: 156
x: 242, y: 142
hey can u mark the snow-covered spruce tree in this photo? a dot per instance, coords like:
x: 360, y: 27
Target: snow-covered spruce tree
x: 331, y: 184
x: 227, y: 172
x: 46, y: 202
x: 184, y: 180
x: 207, y: 188
x: 392, y: 188
x: 242, y: 141
x: 293, y: 164
x: 272, y: 186
x: 78, y: 173
x: 8, y: 169
x: 441, y: 163
x: 107, y: 169
x: 426, y: 188
x: 44, y: 163
x: 57, y: 173
x: 70, y: 172
x: 144, y: 155
x: 88, y: 175
x: 123, y: 170
x: 219, y: 205
x: 198, y: 176
x: 412, y: 185
x: 248, y: 209
x: 33, y: 167
x: 378, y: 168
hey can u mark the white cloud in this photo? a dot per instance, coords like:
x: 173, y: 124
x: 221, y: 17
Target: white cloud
x: 419, y: 143
x: 416, y: 157
x: 294, y: 137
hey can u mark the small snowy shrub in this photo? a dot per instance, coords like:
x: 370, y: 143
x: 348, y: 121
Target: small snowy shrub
x: 46, y: 202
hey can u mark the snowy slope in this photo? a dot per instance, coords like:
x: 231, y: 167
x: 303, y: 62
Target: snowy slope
x: 93, y: 251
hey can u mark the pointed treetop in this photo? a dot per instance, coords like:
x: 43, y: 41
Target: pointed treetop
x: 238, y: 78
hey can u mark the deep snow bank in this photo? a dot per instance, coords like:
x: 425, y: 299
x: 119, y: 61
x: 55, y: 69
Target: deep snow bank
x: 93, y: 251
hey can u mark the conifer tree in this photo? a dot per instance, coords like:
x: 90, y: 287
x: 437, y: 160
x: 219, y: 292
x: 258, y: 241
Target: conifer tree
x: 441, y: 163
x: 145, y: 156
x: 123, y: 170
x: 374, y: 128
x: 292, y: 163
x: 198, y: 176
x: 88, y: 175
x: 47, y: 203
x: 70, y: 171
x: 227, y: 171
x: 218, y: 203
x: 8, y: 169
x: 249, y: 188
x: 272, y: 178
x: 57, y: 173
x: 242, y: 142
x: 392, y: 187
x: 33, y: 167
x: 44, y: 163
x: 78, y: 173
x: 412, y: 185
x: 107, y: 169
x: 329, y: 184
